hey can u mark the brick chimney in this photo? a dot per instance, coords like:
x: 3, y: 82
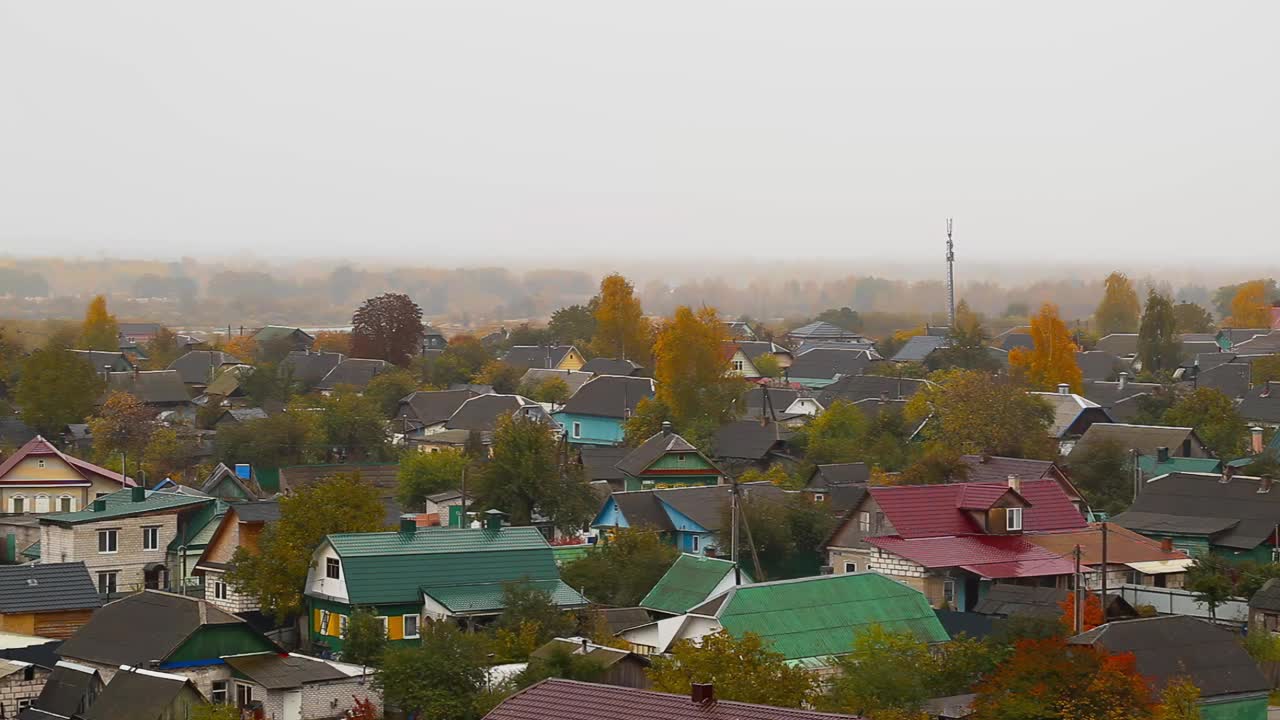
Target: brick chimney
x: 1015, y: 484
x: 1166, y: 544
x: 703, y: 693
x: 1255, y: 440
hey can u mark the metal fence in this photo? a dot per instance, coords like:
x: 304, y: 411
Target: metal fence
x: 1171, y: 601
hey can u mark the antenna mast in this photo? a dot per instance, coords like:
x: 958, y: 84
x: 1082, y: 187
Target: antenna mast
x: 951, y: 279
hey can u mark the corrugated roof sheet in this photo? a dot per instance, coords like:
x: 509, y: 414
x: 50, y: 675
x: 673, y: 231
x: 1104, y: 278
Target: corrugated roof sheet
x: 557, y: 699
x: 686, y: 584
x: 991, y: 556
x: 120, y: 504
x: 918, y: 511
x: 47, y: 587
x: 818, y: 616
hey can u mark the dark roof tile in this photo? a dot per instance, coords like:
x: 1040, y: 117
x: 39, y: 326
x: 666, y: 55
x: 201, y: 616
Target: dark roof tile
x: 47, y: 588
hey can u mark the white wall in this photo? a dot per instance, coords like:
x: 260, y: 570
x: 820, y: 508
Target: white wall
x: 316, y: 580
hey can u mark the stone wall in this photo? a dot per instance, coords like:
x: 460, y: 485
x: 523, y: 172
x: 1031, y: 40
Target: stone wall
x: 320, y: 701
x: 80, y: 542
x: 235, y: 602
x: 15, y: 687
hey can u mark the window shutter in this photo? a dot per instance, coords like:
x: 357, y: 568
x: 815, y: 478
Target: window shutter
x: 395, y: 628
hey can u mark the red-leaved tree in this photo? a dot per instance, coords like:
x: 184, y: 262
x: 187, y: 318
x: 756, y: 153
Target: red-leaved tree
x: 1093, y: 616
x: 387, y: 327
x: 1052, y: 679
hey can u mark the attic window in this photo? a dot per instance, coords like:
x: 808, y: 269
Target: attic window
x: 40, y: 463
x: 332, y: 568
x: 1013, y: 519
x: 680, y: 457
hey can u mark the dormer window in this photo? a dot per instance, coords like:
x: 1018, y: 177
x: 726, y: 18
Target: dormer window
x: 1013, y: 519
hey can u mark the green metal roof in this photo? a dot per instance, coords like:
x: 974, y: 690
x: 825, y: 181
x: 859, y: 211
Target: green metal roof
x: 120, y: 504
x: 1149, y: 466
x: 200, y: 527
x: 686, y: 584
x: 818, y: 616
x: 394, y: 567
x: 32, y: 551
x: 487, y: 597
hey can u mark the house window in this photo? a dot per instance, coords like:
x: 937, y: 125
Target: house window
x: 244, y: 695
x: 324, y: 622
x: 17, y: 504
x: 410, y: 626
x: 151, y: 537
x: 1013, y: 519
x: 219, y: 694
x: 332, y: 568
x: 949, y: 592
x: 342, y: 626
x: 695, y: 543
x: 577, y: 429
x: 737, y: 366
x: 819, y: 497
x: 107, y: 540
x: 24, y: 703
x: 879, y: 526
x: 219, y: 590
x: 864, y: 522
x: 42, y: 503
x: 382, y: 620
x: 851, y: 567
x: 66, y: 503
x: 107, y: 582
x: 40, y: 463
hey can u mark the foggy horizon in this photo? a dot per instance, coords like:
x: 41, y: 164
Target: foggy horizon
x: 577, y: 134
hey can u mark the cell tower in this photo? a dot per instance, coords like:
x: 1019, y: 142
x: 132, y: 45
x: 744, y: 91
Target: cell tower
x: 951, y: 279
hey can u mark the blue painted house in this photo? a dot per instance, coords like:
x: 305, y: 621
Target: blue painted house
x: 595, y: 415
x: 687, y: 517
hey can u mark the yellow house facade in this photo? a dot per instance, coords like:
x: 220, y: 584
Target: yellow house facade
x: 40, y: 479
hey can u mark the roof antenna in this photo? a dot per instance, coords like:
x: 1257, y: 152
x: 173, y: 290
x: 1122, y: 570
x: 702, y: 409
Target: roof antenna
x: 951, y: 280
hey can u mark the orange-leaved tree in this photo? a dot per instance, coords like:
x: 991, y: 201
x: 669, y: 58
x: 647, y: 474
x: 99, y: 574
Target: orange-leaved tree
x: 1249, y: 306
x: 100, y: 331
x: 1049, y: 678
x: 242, y: 347
x: 622, y: 330
x: 1093, y: 616
x: 1053, y: 359
x: 691, y: 367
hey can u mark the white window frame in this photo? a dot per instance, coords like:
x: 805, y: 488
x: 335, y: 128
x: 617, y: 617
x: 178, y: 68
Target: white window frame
x: 949, y: 591
x: 18, y: 504
x: 333, y: 565
x: 40, y: 463
x: 850, y: 567
x: 150, y: 533
x: 696, y: 543
x: 112, y: 536
x: 819, y: 497
x: 864, y: 522
x: 70, y: 501
x: 41, y: 505
x: 342, y: 626
x: 417, y: 622
x: 219, y: 590
x: 324, y: 622
x: 737, y: 366
x: 108, y: 582
x: 220, y: 692
x: 1013, y: 519
x: 577, y: 429
x: 386, y: 626
x: 244, y: 695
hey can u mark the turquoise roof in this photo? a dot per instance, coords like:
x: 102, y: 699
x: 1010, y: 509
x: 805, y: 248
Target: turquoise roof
x: 816, y: 617
x: 120, y: 504
x: 1151, y: 468
x: 455, y: 563
x: 487, y: 598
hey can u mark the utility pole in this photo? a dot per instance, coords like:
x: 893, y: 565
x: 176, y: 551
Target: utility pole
x: 733, y: 534
x: 463, y: 515
x: 1078, y: 620
x: 1104, y: 571
x: 951, y: 280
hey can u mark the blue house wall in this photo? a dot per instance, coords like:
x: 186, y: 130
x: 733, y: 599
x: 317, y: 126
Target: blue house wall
x: 594, y: 430
x: 690, y: 536
x: 610, y: 516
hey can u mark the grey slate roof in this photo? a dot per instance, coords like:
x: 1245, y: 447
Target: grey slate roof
x: 1022, y: 600
x: 309, y: 367
x: 919, y: 347
x: 101, y: 359
x: 755, y: 348
x: 433, y: 407
x: 827, y: 363
x: 356, y: 372
x: 1231, y: 379
x: 619, y: 619
x: 1067, y: 409
x: 539, y: 356
x: 821, y: 330
x: 661, y: 443
x: 749, y: 440
x: 574, y: 379
x: 753, y: 399
x: 1262, y: 404
x: 138, y: 695
x: 199, y: 367
x: 1232, y: 514
x: 853, y: 388
x: 112, y: 636
x: 69, y: 690
x: 825, y: 477
x: 1268, y: 344
x: 47, y: 588
x: 1235, y: 336
x: 611, y: 396
x: 1100, y: 365
x: 482, y: 411
x: 611, y: 366
x: 263, y: 511
x: 1120, y: 403
x: 283, y: 672
x: 1015, y: 337
x: 153, y: 387
x: 1143, y: 438
x: 1119, y: 344
x: 601, y: 462
x: 1177, y: 645
x: 998, y: 469
x: 1268, y: 597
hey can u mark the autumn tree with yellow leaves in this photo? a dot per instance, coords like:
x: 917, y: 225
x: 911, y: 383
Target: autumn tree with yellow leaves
x: 1249, y: 306
x: 1118, y: 311
x: 100, y: 331
x: 1053, y: 359
x: 622, y: 330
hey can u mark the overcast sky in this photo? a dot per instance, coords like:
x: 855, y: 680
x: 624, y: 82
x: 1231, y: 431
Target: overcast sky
x: 494, y: 131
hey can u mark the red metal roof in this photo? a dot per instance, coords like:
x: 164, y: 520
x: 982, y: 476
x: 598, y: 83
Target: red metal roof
x: 571, y: 700
x: 38, y: 446
x: 991, y: 556
x: 922, y: 511
x: 981, y: 496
